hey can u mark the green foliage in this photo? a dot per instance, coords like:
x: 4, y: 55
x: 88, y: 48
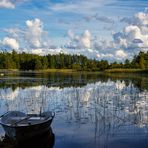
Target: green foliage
x: 127, y: 64
x: 26, y: 61
x: 103, y: 64
x: 115, y: 65
x: 76, y: 67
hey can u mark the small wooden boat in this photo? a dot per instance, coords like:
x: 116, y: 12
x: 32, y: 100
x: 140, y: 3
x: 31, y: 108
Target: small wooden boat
x: 20, y: 126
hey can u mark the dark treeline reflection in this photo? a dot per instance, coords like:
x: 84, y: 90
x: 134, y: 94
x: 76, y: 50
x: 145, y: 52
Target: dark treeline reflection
x: 24, y: 80
x: 45, y: 140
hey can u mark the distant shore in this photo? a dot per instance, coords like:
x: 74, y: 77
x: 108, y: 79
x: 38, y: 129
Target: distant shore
x: 37, y: 71
x: 74, y: 71
x: 126, y: 70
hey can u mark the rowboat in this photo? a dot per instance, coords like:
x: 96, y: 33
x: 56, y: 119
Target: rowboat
x: 20, y: 126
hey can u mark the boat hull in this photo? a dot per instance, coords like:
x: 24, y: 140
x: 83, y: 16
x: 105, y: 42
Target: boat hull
x: 45, y: 140
x: 26, y: 132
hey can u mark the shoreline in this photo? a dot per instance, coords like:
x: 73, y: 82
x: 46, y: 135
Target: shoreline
x: 118, y: 70
x: 145, y: 71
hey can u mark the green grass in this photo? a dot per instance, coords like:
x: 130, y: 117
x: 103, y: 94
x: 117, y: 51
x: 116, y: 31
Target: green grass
x: 118, y: 70
x: 5, y: 70
x: 57, y: 70
x: 48, y: 71
x: 38, y: 71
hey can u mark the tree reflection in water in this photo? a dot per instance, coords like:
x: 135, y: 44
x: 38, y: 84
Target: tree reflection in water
x: 95, y: 115
x: 46, y: 140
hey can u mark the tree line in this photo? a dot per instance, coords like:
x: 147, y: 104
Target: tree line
x: 27, y: 61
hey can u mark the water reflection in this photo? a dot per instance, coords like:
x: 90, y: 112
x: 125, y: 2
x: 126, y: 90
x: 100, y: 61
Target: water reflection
x: 102, y: 114
x: 61, y: 80
x: 46, y: 140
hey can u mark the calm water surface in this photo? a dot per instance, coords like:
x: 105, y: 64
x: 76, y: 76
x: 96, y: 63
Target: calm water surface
x: 92, y: 111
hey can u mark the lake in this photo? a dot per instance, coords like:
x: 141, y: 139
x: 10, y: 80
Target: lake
x: 92, y: 110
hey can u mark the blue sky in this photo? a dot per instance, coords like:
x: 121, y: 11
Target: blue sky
x: 72, y: 26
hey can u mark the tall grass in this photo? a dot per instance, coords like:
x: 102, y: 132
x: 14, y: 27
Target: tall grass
x: 118, y: 70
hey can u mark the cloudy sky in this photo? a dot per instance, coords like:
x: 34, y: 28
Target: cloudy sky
x: 101, y: 29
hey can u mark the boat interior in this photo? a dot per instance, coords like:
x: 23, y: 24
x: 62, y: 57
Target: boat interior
x: 22, y: 119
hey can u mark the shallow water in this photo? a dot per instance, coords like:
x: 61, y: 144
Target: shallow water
x: 91, y: 110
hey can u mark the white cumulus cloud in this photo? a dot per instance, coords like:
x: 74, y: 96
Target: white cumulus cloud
x: 32, y: 38
x: 85, y: 39
x: 134, y: 37
x: 124, y: 44
x: 7, y: 4
x: 120, y: 54
x: 35, y: 36
x: 79, y: 41
x: 10, y: 43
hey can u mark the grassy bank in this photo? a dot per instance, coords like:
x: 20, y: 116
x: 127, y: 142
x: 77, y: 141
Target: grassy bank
x: 45, y: 70
x: 48, y: 71
x: 117, y: 70
x: 7, y: 70
x: 68, y: 71
x: 126, y: 70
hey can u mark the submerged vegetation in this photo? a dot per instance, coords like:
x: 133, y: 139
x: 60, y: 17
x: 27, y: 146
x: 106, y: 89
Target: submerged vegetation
x: 27, y: 61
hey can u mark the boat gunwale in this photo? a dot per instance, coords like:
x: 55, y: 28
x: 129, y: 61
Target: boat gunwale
x: 29, y: 125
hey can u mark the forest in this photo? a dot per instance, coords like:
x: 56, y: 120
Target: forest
x: 28, y: 61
